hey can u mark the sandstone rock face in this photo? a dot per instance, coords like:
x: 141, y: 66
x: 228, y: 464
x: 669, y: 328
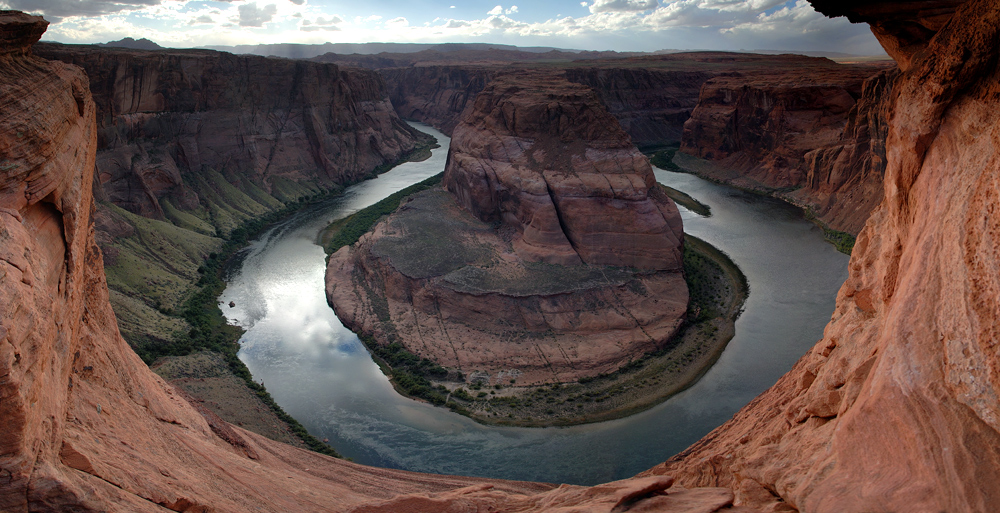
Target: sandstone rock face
x: 165, y: 116
x: 812, y: 136
x: 88, y: 427
x: 897, y: 409
x: 651, y: 105
x: 542, y: 157
x: 450, y: 289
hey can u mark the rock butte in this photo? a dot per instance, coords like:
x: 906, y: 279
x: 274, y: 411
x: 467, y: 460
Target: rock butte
x: 894, y: 410
x: 543, y: 175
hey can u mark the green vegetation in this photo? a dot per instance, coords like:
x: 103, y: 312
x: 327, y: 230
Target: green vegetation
x: 664, y: 159
x: 843, y: 241
x: 209, y: 329
x: 412, y: 375
x: 350, y: 229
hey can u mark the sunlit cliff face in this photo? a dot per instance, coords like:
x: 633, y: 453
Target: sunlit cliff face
x: 896, y: 408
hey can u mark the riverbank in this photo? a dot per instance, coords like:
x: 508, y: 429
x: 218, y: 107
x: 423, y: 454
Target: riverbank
x: 672, y: 160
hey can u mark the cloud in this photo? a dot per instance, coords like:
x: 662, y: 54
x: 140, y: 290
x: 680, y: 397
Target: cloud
x: 512, y: 10
x: 253, y: 16
x: 399, y: 22
x: 297, y: 2
x: 496, y: 11
x: 200, y: 20
x: 622, y: 5
x: 454, y: 24
x: 321, y: 23
x: 55, y: 10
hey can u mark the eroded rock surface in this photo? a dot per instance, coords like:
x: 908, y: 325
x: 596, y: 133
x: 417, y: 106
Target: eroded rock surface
x: 541, y: 156
x: 166, y: 117
x: 814, y: 136
x: 897, y: 409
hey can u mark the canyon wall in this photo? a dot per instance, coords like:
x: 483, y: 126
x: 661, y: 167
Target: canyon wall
x: 436, y: 95
x: 193, y: 143
x: 88, y: 427
x: 805, y: 129
x: 813, y: 136
x: 650, y: 104
x: 269, y: 123
x: 896, y: 408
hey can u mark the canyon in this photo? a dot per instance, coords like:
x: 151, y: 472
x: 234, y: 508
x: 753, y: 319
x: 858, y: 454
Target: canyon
x: 88, y: 427
x: 552, y: 237
x: 193, y: 144
x: 894, y: 410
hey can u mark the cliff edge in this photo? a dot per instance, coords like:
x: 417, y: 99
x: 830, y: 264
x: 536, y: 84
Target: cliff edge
x: 896, y: 408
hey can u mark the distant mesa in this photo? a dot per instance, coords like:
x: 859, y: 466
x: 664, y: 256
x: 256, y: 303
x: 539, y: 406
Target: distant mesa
x: 133, y: 44
x: 550, y: 257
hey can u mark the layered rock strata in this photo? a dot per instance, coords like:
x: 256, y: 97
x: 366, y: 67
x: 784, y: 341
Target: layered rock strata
x: 813, y: 136
x: 164, y: 117
x: 896, y: 408
x: 516, y: 282
x: 87, y: 427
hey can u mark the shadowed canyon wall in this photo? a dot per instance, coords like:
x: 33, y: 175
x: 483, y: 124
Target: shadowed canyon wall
x: 192, y: 143
x: 896, y: 408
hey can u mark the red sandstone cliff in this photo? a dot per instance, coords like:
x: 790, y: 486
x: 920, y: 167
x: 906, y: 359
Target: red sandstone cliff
x: 165, y: 116
x: 543, y: 181
x: 897, y: 409
x: 812, y: 135
x: 543, y: 157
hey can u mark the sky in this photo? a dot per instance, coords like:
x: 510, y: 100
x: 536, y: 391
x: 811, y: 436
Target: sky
x: 621, y: 25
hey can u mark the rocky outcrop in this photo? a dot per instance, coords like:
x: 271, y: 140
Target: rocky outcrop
x: 813, y: 136
x: 88, y: 427
x: 165, y: 117
x: 896, y: 408
x: 547, y: 190
x: 542, y: 157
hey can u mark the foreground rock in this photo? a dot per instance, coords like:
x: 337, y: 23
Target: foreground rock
x: 88, y: 427
x: 896, y: 408
x: 514, y: 285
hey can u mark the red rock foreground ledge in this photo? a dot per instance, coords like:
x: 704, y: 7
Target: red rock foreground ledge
x: 508, y: 280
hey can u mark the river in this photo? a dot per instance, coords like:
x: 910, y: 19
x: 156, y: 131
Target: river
x: 321, y: 374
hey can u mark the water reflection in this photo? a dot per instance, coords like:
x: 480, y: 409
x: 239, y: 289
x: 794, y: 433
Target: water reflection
x: 319, y: 372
